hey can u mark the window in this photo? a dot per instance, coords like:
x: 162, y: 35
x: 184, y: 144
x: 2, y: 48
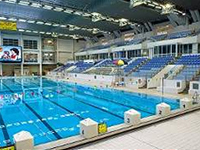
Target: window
x: 48, y: 57
x: 195, y: 86
x: 31, y: 57
x: 10, y: 42
x: 49, y: 44
x: 103, y: 56
x: 198, y: 48
x: 134, y: 53
x: 173, y: 49
x: 178, y: 84
x: 30, y: 44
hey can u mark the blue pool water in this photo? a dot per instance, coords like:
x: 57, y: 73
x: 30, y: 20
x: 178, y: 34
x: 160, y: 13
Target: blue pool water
x: 52, y: 110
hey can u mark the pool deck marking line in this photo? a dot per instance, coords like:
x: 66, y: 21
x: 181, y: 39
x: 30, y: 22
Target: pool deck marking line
x: 39, y: 117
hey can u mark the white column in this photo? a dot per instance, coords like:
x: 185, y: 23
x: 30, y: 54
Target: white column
x: 176, y: 50
x: 151, y: 53
x: 21, y: 44
x: 195, y: 48
x: 40, y: 55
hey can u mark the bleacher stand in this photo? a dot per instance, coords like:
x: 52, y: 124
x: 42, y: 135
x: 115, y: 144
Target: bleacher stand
x: 181, y: 34
x: 191, y: 69
x: 133, y: 65
x: 153, y: 66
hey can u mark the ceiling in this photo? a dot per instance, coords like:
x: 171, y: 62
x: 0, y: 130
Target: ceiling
x: 116, y: 9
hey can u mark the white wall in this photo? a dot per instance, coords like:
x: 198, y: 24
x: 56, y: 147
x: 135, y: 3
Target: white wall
x: 66, y: 49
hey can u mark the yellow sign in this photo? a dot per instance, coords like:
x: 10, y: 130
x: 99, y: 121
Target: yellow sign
x: 102, y: 128
x: 8, y: 148
x: 8, y: 25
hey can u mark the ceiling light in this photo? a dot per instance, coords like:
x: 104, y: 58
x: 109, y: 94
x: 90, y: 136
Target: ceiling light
x: 167, y: 9
x: 37, y: 5
x: 48, y: 24
x: 63, y: 26
x: 22, y: 20
x: 86, y: 14
x: 39, y: 22
x: 25, y: 3
x: 35, y: 32
x: 54, y: 34
x: 59, y: 9
x: 11, y: 1
x: 21, y: 30
x: 95, y: 31
x: 12, y: 19
x: 134, y: 3
x: 69, y: 11
x: 48, y: 33
x: 31, y: 21
x: 123, y: 22
x: 28, y: 31
x: 55, y: 25
x: 41, y: 32
x: 78, y: 13
x: 71, y: 27
x: 3, y: 18
x: 49, y: 41
x: 96, y: 17
x: 47, y: 7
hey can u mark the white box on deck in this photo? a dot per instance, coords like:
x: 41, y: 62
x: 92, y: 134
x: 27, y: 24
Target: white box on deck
x: 24, y: 141
x: 185, y: 103
x: 132, y: 117
x: 163, y: 109
x: 88, y: 128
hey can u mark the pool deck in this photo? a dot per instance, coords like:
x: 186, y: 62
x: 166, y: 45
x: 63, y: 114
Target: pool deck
x: 180, y: 133
x: 143, y: 90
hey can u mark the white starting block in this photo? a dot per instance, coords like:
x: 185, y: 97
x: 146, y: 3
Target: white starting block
x: 132, y: 117
x: 185, y: 103
x: 163, y: 109
x: 88, y: 128
x: 23, y: 141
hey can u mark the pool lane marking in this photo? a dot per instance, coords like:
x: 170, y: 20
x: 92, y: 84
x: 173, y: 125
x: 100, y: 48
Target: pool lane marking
x: 39, y: 117
x: 44, y: 122
x: 77, y: 115
x: 131, y: 107
x: 118, y: 103
x: 93, y: 106
x: 69, y: 111
x: 86, y: 104
x: 33, y: 122
x: 81, y: 102
x: 5, y: 131
x: 89, y: 105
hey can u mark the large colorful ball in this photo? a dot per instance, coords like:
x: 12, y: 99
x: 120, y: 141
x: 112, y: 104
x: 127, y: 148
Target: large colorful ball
x: 115, y: 62
x: 120, y: 63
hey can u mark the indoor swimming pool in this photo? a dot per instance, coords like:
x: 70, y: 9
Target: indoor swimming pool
x: 52, y: 110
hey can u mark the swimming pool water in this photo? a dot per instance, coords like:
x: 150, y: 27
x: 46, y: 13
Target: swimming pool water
x: 52, y: 110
